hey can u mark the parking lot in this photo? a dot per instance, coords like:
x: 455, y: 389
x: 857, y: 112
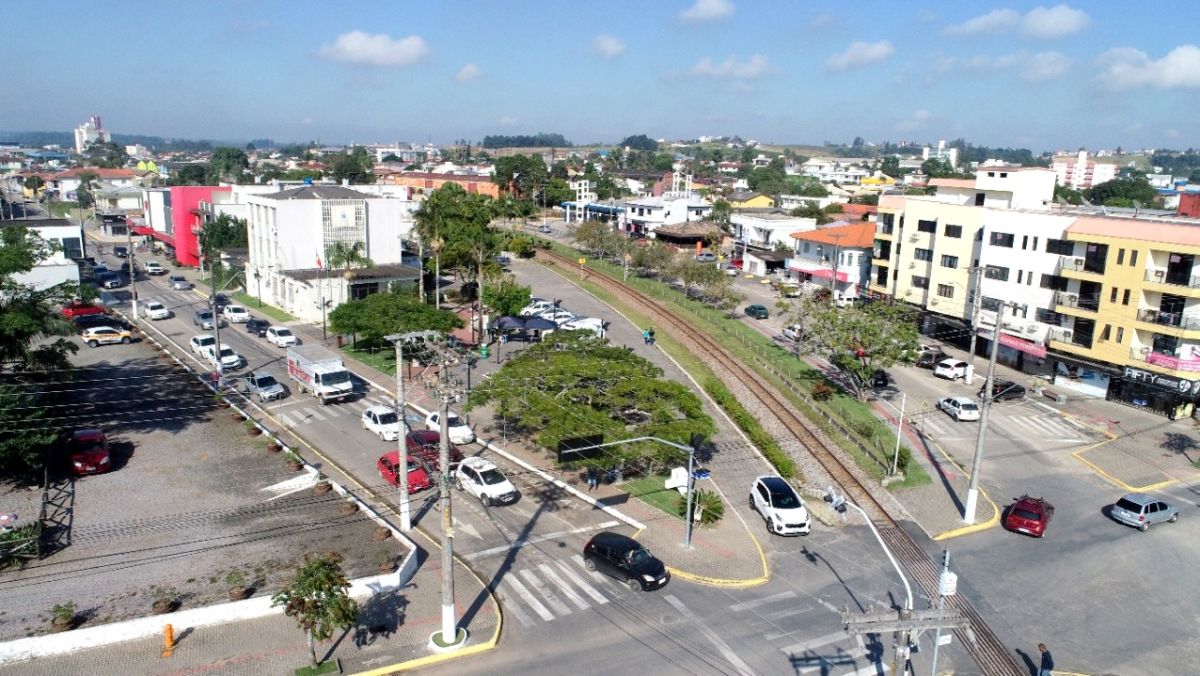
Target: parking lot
x: 188, y: 501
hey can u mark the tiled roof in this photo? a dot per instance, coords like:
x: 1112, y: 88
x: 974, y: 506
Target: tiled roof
x: 952, y: 182
x: 854, y: 235
x: 100, y: 172
x: 1138, y: 229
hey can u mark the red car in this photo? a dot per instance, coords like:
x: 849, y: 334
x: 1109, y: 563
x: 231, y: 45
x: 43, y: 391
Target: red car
x: 418, y: 478
x: 78, y: 309
x: 1029, y: 515
x: 88, y: 452
x: 424, y: 444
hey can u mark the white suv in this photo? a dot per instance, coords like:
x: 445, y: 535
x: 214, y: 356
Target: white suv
x: 156, y: 310
x: 485, y: 481
x: 201, y: 344
x: 229, y: 358
x: 236, y: 314
x: 281, y: 336
x: 779, y: 505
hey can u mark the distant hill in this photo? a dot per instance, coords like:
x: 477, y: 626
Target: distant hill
x: 66, y: 139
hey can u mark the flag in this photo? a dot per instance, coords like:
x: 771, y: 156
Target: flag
x: 320, y: 266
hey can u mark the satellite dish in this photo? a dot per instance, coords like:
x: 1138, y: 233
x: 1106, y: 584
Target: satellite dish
x: 1085, y: 201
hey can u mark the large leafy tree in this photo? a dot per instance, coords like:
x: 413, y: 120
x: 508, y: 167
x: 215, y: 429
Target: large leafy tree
x: 506, y: 298
x: 572, y: 385
x: 639, y: 142
x: 1123, y: 193
x: 35, y: 185
x: 521, y: 175
x: 454, y: 225
x: 192, y: 174
x: 318, y: 598
x: 596, y: 237
x: 381, y: 314
x: 32, y: 333
x: 227, y: 164
x: 346, y: 257
x: 83, y: 194
x: 355, y: 166
x: 105, y: 154
x: 25, y: 434
x: 222, y: 232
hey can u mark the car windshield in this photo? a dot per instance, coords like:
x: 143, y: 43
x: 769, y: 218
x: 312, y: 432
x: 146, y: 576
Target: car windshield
x: 266, y: 381
x: 282, y: 333
x: 492, y: 477
x: 204, y: 315
x: 227, y: 352
x: 637, y: 557
x: 455, y: 421
x: 388, y: 418
x: 336, y: 378
x: 785, y: 500
x: 1026, y: 514
x: 969, y: 406
x: 1129, y: 505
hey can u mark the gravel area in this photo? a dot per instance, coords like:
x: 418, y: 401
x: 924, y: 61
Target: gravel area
x: 184, y: 506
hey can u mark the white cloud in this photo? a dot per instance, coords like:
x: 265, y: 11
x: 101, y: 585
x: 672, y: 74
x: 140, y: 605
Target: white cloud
x: 822, y: 21
x: 509, y: 121
x: 918, y: 120
x: 860, y: 54
x: 708, y: 10
x: 1044, y: 23
x: 1048, y: 23
x: 1129, y: 68
x: 468, y: 72
x: 732, y: 69
x: 994, y: 21
x: 608, y: 46
x: 375, y: 50
x: 1029, y: 67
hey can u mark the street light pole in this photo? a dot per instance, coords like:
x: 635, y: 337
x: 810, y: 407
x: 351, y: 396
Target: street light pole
x: 973, y: 487
x: 899, y: 432
x: 976, y: 304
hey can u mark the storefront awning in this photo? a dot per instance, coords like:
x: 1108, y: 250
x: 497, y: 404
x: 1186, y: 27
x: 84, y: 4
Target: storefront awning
x: 818, y: 271
x: 1026, y: 346
x: 151, y: 232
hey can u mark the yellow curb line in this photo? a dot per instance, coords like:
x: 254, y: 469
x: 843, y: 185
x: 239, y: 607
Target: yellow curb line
x: 973, y: 528
x: 1112, y: 479
x: 722, y: 582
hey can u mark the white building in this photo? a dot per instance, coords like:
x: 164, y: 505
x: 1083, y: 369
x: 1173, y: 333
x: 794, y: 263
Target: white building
x: 290, y: 232
x: 1079, y: 172
x: 680, y: 204
x: 90, y: 132
x: 59, y: 266
x: 789, y: 202
x: 764, y: 231
x: 838, y: 257
x: 948, y: 155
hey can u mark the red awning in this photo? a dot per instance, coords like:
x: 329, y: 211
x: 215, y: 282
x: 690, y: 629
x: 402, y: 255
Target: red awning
x: 818, y: 271
x: 143, y: 230
x: 1026, y: 346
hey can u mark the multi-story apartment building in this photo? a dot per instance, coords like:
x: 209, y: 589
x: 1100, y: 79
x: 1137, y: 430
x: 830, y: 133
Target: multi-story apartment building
x: 89, y: 132
x: 1079, y: 172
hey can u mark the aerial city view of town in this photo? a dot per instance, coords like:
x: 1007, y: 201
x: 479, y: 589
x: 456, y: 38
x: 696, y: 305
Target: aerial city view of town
x: 691, y: 337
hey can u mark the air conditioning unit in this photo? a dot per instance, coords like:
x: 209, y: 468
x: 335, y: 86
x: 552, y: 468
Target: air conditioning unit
x: 1031, y: 329
x: 1072, y: 299
x: 933, y: 302
x: 913, y: 238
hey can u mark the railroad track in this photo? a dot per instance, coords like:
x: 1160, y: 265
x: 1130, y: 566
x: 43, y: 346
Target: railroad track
x: 986, y: 649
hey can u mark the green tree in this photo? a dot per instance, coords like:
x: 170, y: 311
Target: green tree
x: 571, y: 385
x: 1068, y: 194
x: 664, y: 162
x: 227, y: 164
x: 721, y: 212
x: 639, y: 142
x: 345, y: 257
x: 34, y: 184
x: 768, y: 181
x: 355, y: 166
x: 392, y: 157
x: 890, y: 166
x: 655, y: 258
x: 506, y: 298
x: 83, y: 194
x: 595, y: 237
x: 32, y: 333
x: 223, y: 232
x: 810, y: 210
x: 382, y: 314
x: 317, y: 598
x: 303, y: 175
x: 454, y: 225
x: 556, y: 192
x: 105, y: 154
x: 697, y: 276
x: 521, y: 175
x: 192, y: 174
x: 1123, y: 193
x: 26, y: 433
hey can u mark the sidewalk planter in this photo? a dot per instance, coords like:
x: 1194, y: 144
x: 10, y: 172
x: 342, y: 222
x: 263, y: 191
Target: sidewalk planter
x: 348, y: 508
x: 253, y: 428
x: 162, y: 606
x: 381, y: 533
x: 387, y: 564
x: 293, y: 462
x: 63, y: 617
x: 274, y: 447
x: 237, y: 585
x: 322, y: 488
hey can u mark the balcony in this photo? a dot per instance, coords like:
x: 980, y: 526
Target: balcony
x: 1072, y: 300
x: 1166, y: 277
x: 884, y: 230
x: 1161, y: 359
x: 1170, y: 319
x: 1061, y: 334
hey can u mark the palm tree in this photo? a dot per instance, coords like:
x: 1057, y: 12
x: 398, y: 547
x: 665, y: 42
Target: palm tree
x: 345, y: 257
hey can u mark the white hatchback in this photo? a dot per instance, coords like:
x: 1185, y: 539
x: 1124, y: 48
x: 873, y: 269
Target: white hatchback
x: 485, y: 481
x: 156, y: 310
x: 227, y: 357
x: 201, y: 344
x: 536, y: 307
x: 459, y: 431
x: 382, y: 421
x: 779, y: 505
x: 961, y: 408
x: 951, y: 369
x: 236, y: 314
x: 558, y: 315
x: 281, y: 336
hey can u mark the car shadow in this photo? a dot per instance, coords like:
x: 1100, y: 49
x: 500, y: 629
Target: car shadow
x: 119, y: 453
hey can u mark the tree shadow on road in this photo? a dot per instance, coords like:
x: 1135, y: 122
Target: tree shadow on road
x: 1181, y: 444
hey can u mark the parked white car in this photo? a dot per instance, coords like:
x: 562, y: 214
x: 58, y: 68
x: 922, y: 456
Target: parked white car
x: 951, y: 369
x: 780, y: 506
x: 201, y: 344
x: 960, y: 408
x: 154, y: 268
x: 536, y: 307
x: 485, y: 481
x: 156, y: 310
x: 459, y: 432
x: 793, y: 332
x: 228, y: 358
x: 596, y: 326
x: 558, y: 315
x: 236, y: 314
x: 382, y: 421
x: 281, y: 336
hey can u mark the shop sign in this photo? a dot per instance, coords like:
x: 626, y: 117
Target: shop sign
x: 1184, y: 387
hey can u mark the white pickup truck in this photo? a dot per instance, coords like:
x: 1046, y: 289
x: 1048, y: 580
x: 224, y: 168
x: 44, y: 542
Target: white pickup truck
x: 320, y: 371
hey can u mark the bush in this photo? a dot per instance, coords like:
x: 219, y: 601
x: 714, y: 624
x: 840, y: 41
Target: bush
x: 822, y: 392
x: 708, y: 503
x: 903, y: 459
x: 749, y: 424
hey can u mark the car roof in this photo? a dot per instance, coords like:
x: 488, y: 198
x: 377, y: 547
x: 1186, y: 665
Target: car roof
x: 1139, y: 498
x: 615, y: 540
x: 776, y: 484
x: 951, y: 362
x: 962, y: 400
x: 89, y: 434
x: 478, y: 464
x: 380, y: 408
x: 260, y: 374
x: 424, y: 437
x: 1032, y: 501
x: 203, y: 336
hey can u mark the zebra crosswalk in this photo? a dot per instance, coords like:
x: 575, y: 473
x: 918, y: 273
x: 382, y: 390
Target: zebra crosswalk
x: 547, y: 591
x: 1043, y: 426
x: 300, y: 410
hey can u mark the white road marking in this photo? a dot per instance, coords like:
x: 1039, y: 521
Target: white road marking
x: 594, y: 574
x: 711, y: 635
x: 514, y: 584
x: 747, y: 605
x: 587, y: 588
x: 521, y: 542
x: 544, y: 592
x: 563, y: 587
x: 827, y: 639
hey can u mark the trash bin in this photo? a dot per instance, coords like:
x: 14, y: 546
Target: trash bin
x: 484, y: 351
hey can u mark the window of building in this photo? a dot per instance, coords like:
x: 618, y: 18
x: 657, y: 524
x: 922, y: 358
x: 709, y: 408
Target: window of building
x: 1047, y: 316
x: 1106, y: 332
x: 1113, y: 296
x: 1120, y: 257
x: 990, y: 304
x: 1024, y: 242
x: 1020, y: 276
x: 991, y: 174
x: 1003, y: 239
x: 945, y: 290
x: 1055, y: 282
x: 1059, y: 247
x: 954, y: 231
x: 926, y: 226
x: 979, y: 198
x: 1125, y: 298
x: 920, y: 282
x: 1004, y: 174
x: 1035, y: 243
x: 806, y: 247
x: 996, y: 272
x: 1120, y: 334
x: 1133, y: 257
x: 923, y: 254
x: 949, y: 261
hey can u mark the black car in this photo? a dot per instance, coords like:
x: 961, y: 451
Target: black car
x: 1004, y: 390
x: 121, y: 252
x: 257, y: 327
x: 879, y: 378
x: 221, y: 300
x: 85, y: 322
x: 625, y: 559
x: 930, y: 358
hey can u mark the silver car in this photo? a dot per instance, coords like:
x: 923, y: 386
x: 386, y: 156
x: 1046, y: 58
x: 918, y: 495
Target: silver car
x: 1141, y: 511
x: 264, y: 386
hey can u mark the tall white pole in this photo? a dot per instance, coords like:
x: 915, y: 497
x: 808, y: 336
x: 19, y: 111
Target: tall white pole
x: 449, y: 625
x: 973, y: 487
x: 402, y: 441
x: 899, y: 432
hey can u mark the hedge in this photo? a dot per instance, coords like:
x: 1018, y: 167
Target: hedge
x: 749, y: 424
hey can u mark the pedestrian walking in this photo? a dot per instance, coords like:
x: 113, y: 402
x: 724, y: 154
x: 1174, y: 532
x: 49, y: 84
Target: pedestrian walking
x: 1047, y: 661
x: 593, y: 479
x: 646, y: 336
x: 651, y: 332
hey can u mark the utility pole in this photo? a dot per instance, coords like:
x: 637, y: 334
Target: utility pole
x: 216, y: 320
x: 837, y: 252
x: 691, y: 484
x: 976, y: 304
x: 450, y: 636
x: 973, y: 487
x: 947, y: 585
x: 401, y: 405
x: 132, y: 270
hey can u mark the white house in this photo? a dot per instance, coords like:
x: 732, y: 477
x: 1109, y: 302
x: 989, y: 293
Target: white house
x: 290, y: 232
x: 766, y: 230
x: 59, y: 266
x: 838, y: 257
x: 678, y: 205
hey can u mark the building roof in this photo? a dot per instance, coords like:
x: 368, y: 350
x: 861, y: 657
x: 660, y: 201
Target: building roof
x: 952, y: 182
x: 854, y: 235
x: 1138, y: 229
x: 99, y: 172
x: 744, y: 195
x: 858, y: 209
x: 387, y: 271
x: 689, y: 229
x: 318, y: 192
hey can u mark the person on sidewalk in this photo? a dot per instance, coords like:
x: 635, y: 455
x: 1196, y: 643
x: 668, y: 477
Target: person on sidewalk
x: 593, y: 479
x: 646, y: 337
x: 1047, y: 661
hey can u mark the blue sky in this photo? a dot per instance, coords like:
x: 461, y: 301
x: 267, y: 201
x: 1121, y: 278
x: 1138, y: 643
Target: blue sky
x: 1037, y: 75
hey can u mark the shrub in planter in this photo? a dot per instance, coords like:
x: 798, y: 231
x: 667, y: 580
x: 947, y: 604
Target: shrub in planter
x: 705, y: 503
x: 236, y: 580
x: 349, y: 508
x: 219, y: 400
x: 273, y: 446
x: 164, y: 600
x: 822, y: 392
x: 253, y: 428
x: 323, y: 486
x: 381, y: 533
x: 387, y: 562
x: 62, y: 616
x: 293, y: 461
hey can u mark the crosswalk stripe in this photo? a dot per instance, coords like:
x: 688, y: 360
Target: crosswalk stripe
x: 747, y: 605
x: 559, y: 607
x: 797, y: 648
x: 514, y: 609
x: 311, y: 412
x: 563, y: 587
x: 513, y: 583
x: 288, y: 420
x: 594, y: 574
x: 587, y: 588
